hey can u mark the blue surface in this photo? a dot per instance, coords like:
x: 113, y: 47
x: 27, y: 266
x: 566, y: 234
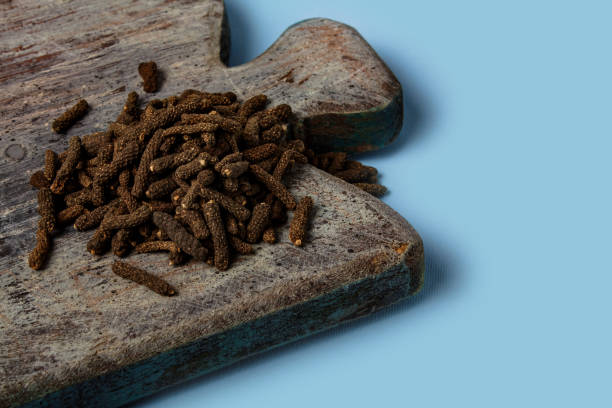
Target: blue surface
x: 506, y: 177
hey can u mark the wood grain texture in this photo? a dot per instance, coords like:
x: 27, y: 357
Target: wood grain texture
x: 74, y: 330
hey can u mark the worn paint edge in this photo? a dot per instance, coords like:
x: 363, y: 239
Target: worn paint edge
x: 208, y: 354
x: 354, y: 132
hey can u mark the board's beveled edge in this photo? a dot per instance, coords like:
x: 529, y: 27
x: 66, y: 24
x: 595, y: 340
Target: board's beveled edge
x: 354, y: 132
x: 345, y: 303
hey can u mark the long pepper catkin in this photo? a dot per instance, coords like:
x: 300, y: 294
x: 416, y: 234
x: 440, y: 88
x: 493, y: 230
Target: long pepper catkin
x: 258, y: 222
x: 131, y: 220
x: 68, y: 165
x: 144, y: 278
x: 40, y: 253
x: 51, y: 164
x: 180, y: 235
x: 46, y: 210
x: 299, y: 223
x: 195, y: 221
x: 231, y: 206
x: 275, y: 186
x: 219, y: 237
x: 70, y: 117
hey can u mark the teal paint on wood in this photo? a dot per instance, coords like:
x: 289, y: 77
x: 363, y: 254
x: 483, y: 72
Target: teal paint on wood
x: 356, y: 131
x: 206, y: 355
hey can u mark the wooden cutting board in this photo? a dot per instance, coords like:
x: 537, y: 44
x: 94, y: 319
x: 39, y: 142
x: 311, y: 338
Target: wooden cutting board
x: 74, y: 333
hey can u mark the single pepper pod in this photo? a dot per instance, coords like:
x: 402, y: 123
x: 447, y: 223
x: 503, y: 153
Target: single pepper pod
x: 68, y: 166
x: 172, y: 161
x: 46, y: 210
x: 156, y: 246
x: 275, y: 186
x: 51, y: 164
x: 250, y: 133
x: 40, y: 253
x: 195, y: 222
x: 120, y: 243
x: 70, y: 117
x: 299, y: 223
x: 148, y: 73
x: 217, y: 231
x: 131, y: 220
x: 161, y: 188
x: 226, y: 124
x: 258, y: 222
x: 131, y: 112
x: 148, y: 155
x: 231, y: 206
x: 252, y: 105
x: 286, y: 160
x: 177, y: 233
x: 144, y: 278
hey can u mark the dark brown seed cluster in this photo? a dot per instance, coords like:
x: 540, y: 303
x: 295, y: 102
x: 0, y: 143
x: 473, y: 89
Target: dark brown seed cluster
x: 70, y: 117
x: 148, y: 73
x: 199, y: 175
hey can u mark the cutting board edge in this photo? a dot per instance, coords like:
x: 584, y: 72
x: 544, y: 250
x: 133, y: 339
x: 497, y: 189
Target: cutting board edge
x: 287, y: 325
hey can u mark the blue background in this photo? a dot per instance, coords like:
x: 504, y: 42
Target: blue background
x: 507, y: 178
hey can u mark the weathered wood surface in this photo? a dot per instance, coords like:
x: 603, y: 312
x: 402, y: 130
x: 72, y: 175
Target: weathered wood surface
x: 75, y: 321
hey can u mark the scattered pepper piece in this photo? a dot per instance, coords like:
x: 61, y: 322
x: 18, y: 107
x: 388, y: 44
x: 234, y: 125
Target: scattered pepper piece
x: 142, y: 277
x: 148, y: 73
x: 70, y: 117
x: 299, y: 223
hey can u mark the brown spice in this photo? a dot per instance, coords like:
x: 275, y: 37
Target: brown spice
x: 51, y: 164
x: 40, y: 253
x: 68, y: 165
x: 226, y: 202
x: 134, y: 219
x: 161, y: 188
x: 219, y: 237
x: 142, y: 277
x: 120, y: 244
x: 195, y: 221
x: 70, y: 117
x: 148, y: 73
x: 46, y: 210
x: 258, y: 222
x: 93, y: 218
x: 180, y: 235
x: 275, y: 186
x: 156, y: 246
x: 171, y: 161
x: 299, y: 223
x: 186, y: 171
